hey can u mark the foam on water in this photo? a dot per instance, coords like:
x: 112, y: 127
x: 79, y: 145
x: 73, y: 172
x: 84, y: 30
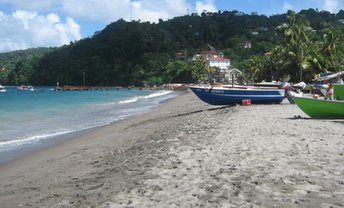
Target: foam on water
x: 30, y: 118
x: 8, y: 145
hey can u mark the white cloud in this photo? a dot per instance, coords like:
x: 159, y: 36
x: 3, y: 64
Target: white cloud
x: 207, y: 6
x: 107, y: 11
x: 287, y: 6
x: 332, y: 5
x: 37, y: 23
x: 139, y: 12
x: 104, y: 11
x: 24, y: 29
x: 24, y: 17
x: 53, y: 18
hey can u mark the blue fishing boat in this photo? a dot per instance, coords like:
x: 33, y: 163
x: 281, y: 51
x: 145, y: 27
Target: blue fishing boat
x: 215, y: 95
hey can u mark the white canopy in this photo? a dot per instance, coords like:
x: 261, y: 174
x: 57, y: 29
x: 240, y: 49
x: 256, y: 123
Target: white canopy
x: 331, y: 76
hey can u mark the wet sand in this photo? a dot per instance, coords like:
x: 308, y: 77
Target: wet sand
x: 188, y: 154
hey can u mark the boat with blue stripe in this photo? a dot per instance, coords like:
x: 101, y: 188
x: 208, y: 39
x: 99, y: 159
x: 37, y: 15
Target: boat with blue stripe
x: 221, y: 95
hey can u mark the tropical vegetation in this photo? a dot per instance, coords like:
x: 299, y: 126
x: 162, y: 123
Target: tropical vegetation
x: 293, y: 46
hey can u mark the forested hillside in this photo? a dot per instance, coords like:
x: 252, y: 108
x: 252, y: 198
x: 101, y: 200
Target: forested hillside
x: 17, y: 67
x: 296, y: 45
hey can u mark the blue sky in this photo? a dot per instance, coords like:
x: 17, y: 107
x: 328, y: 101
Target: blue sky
x: 43, y: 23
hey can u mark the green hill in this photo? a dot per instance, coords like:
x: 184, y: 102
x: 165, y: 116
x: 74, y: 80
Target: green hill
x: 137, y: 52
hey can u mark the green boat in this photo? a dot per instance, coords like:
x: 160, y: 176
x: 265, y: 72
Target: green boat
x: 339, y: 91
x: 318, y: 108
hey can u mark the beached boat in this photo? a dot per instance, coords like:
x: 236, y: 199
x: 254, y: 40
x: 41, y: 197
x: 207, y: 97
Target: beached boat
x: 267, y: 84
x: 215, y: 95
x: 339, y: 91
x: 2, y: 88
x: 319, y: 108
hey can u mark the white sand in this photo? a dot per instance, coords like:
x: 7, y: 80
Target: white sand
x: 189, y: 154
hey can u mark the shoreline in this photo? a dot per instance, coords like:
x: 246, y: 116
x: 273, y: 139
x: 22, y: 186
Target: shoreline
x: 187, y: 153
x: 49, y: 142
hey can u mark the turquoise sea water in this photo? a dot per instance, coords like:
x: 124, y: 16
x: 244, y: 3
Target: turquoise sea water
x: 30, y: 118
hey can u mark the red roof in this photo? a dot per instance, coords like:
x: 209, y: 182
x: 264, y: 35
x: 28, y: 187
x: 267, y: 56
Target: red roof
x: 218, y: 59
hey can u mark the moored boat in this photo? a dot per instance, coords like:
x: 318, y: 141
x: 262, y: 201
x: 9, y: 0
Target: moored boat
x: 26, y: 87
x: 319, y: 108
x: 2, y: 88
x: 215, y: 95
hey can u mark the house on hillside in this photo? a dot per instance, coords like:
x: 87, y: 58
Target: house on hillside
x: 212, y: 54
x: 247, y: 45
x: 220, y: 63
x: 230, y: 75
x: 216, y: 59
x: 224, y: 72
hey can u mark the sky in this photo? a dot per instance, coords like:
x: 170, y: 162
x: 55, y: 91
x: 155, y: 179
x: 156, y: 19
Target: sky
x: 48, y: 23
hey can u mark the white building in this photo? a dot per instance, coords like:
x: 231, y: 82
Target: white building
x: 216, y: 59
x: 219, y: 62
x: 230, y: 75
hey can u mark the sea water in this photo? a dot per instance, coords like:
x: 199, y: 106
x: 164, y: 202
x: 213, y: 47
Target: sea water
x: 29, y: 119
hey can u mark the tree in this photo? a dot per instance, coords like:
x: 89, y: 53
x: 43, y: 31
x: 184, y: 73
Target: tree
x: 178, y: 72
x: 141, y: 52
x: 200, y: 69
x: 255, y: 68
x: 296, y: 45
x: 330, y: 49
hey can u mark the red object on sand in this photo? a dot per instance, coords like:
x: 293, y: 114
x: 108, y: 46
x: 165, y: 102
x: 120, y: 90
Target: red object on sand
x: 246, y: 102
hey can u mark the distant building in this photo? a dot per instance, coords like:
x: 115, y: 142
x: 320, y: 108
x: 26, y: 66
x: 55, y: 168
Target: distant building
x: 196, y: 57
x: 264, y: 29
x: 212, y: 54
x: 181, y: 55
x: 247, y: 44
x: 230, y: 75
x: 238, y: 14
x: 216, y: 59
x: 221, y: 63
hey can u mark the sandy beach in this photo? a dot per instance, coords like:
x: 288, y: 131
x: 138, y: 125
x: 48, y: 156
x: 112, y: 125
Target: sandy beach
x: 187, y: 153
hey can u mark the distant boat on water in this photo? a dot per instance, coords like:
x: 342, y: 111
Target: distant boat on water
x: 75, y: 88
x: 2, y: 88
x: 219, y: 95
x: 26, y: 87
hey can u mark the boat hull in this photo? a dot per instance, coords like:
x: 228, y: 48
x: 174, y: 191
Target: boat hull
x: 318, y: 108
x: 339, y: 91
x: 2, y: 88
x: 228, y: 96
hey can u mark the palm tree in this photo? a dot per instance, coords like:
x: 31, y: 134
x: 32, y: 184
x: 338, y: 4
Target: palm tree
x: 256, y: 68
x: 330, y: 49
x: 296, y: 45
x: 200, y: 69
